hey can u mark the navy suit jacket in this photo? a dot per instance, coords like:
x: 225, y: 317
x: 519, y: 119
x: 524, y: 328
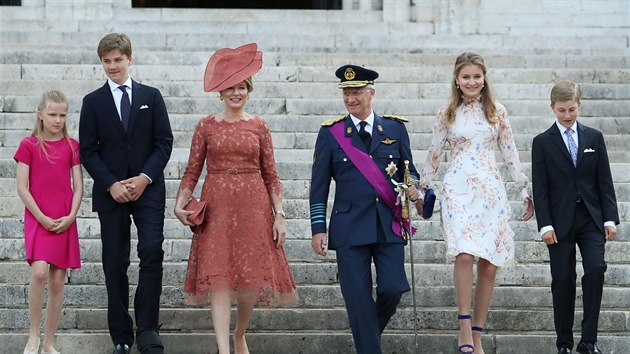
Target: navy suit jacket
x: 110, y: 154
x: 357, y: 205
x: 557, y: 182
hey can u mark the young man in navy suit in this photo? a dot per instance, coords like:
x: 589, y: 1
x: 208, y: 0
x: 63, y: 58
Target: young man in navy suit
x: 125, y: 142
x: 362, y: 152
x: 575, y: 203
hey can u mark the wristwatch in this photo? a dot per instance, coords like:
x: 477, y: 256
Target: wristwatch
x: 280, y: 212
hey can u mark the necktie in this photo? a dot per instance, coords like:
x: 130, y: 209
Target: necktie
x: 125, y: 107
x: 365, y: 136
x: 572, y: 146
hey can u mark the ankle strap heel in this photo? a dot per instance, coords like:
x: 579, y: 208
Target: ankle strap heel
x: 461, y: 348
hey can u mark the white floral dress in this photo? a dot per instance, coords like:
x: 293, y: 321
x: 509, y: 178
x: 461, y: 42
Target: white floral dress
x: 474, y: 205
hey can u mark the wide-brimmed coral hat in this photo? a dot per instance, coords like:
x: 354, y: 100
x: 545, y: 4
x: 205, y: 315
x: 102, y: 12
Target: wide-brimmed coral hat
x: 228, y: 67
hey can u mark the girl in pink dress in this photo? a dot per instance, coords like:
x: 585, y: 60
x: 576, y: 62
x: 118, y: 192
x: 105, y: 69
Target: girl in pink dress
x: 50, y: 184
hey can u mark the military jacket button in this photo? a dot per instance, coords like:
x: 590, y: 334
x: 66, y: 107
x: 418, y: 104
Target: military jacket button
x: 345, y: 159
x: 377, y: 199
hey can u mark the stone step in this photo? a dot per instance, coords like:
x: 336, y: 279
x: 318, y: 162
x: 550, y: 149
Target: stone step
x: 306, y: 140
x: 301, y: 170
x: 308, y: 267
x: 218, y: 25
x: 272, y: 89
x: 298, y: 228
x: 322, y: 342
x: 278, y: 123
x: 332, y: 319
x: 210, y: 27
x: 107, y: 11
x: 327, y: 42
x: 319, y: 73
x: 291, y: 189
x: 334, y: 107
x: 311, y: 271
x: 326, y: 296
x: 495, y: 58
x: 179, y: 156
x: 12, y: 207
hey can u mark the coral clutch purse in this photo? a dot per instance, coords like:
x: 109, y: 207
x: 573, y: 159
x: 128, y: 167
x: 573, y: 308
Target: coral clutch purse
x: 199, y: 210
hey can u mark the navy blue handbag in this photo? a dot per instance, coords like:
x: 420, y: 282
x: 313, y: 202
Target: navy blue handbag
x: 429, y: 203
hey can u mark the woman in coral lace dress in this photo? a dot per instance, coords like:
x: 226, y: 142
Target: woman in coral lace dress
x: 236, y: 253
x: 475, y: 210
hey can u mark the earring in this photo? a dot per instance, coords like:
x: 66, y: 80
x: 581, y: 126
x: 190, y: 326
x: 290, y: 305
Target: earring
x: 221, y: 97
x: 457, y: 86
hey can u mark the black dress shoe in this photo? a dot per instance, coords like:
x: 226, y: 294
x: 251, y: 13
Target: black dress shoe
x: 564, y: 350
x: 148, y: 342
x: 122, y: 349
x: 587, y: 348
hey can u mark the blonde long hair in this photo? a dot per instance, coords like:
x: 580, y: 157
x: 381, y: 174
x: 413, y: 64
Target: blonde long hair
x: 487, y: 99
x: 48, y: 97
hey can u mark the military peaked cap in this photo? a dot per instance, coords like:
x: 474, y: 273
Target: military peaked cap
x: 355, y: 76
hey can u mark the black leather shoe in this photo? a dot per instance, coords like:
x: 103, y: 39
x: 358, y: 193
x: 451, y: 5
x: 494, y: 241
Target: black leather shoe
x: 588, y: 348
x: 564, y: 350
x: 148, y: 342
x: 122, y: 349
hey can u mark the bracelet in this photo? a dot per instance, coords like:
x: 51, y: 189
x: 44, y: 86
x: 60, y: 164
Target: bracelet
x: 280, y: 212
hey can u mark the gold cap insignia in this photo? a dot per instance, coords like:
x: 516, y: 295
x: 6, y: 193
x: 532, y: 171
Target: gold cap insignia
x: 349, y: 130
x: 349, y: 74
x: 389, y: 141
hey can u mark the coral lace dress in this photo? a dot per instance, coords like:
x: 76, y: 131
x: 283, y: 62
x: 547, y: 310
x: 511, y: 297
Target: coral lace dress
x: 234, y: 247
x: 474, y: 204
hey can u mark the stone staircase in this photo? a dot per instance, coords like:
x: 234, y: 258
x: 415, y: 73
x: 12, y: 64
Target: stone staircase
x: 295, y: 91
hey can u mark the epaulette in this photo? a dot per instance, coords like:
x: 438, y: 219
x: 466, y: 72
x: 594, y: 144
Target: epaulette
x: 329, y: 122
x: 398, y: 118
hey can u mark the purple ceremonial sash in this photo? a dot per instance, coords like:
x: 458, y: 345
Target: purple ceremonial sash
x: 368, y: 168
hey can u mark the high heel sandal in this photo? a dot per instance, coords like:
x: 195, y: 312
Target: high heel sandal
x: 477, y: 329
x: 465, y: 346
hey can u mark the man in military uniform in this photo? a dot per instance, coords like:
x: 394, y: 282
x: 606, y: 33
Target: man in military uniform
x: 363, y: 152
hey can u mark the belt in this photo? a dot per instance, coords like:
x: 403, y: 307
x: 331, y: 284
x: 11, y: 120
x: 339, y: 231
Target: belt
x: 232, y: 171
x: 578, y: 199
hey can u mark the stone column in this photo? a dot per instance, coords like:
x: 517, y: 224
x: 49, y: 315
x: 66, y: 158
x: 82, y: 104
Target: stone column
x: 364, y: 5
x: 457, y: 16
x: 80, y: 9
x: 397, y: 10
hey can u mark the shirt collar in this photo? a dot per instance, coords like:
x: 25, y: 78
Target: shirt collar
x: 114, y: 86
x: 369, y: 120
x: 562, y: 128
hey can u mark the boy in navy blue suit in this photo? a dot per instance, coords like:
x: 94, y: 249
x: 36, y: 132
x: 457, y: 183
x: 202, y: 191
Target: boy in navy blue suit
x: 575, y: 203
x: 363, y: 152
x: 125, y: 142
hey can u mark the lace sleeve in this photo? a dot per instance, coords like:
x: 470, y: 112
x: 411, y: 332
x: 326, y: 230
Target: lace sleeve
x: 438, y: 140
x: 268, y: 162
x: 510, y: 153
x: 196, y: 159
